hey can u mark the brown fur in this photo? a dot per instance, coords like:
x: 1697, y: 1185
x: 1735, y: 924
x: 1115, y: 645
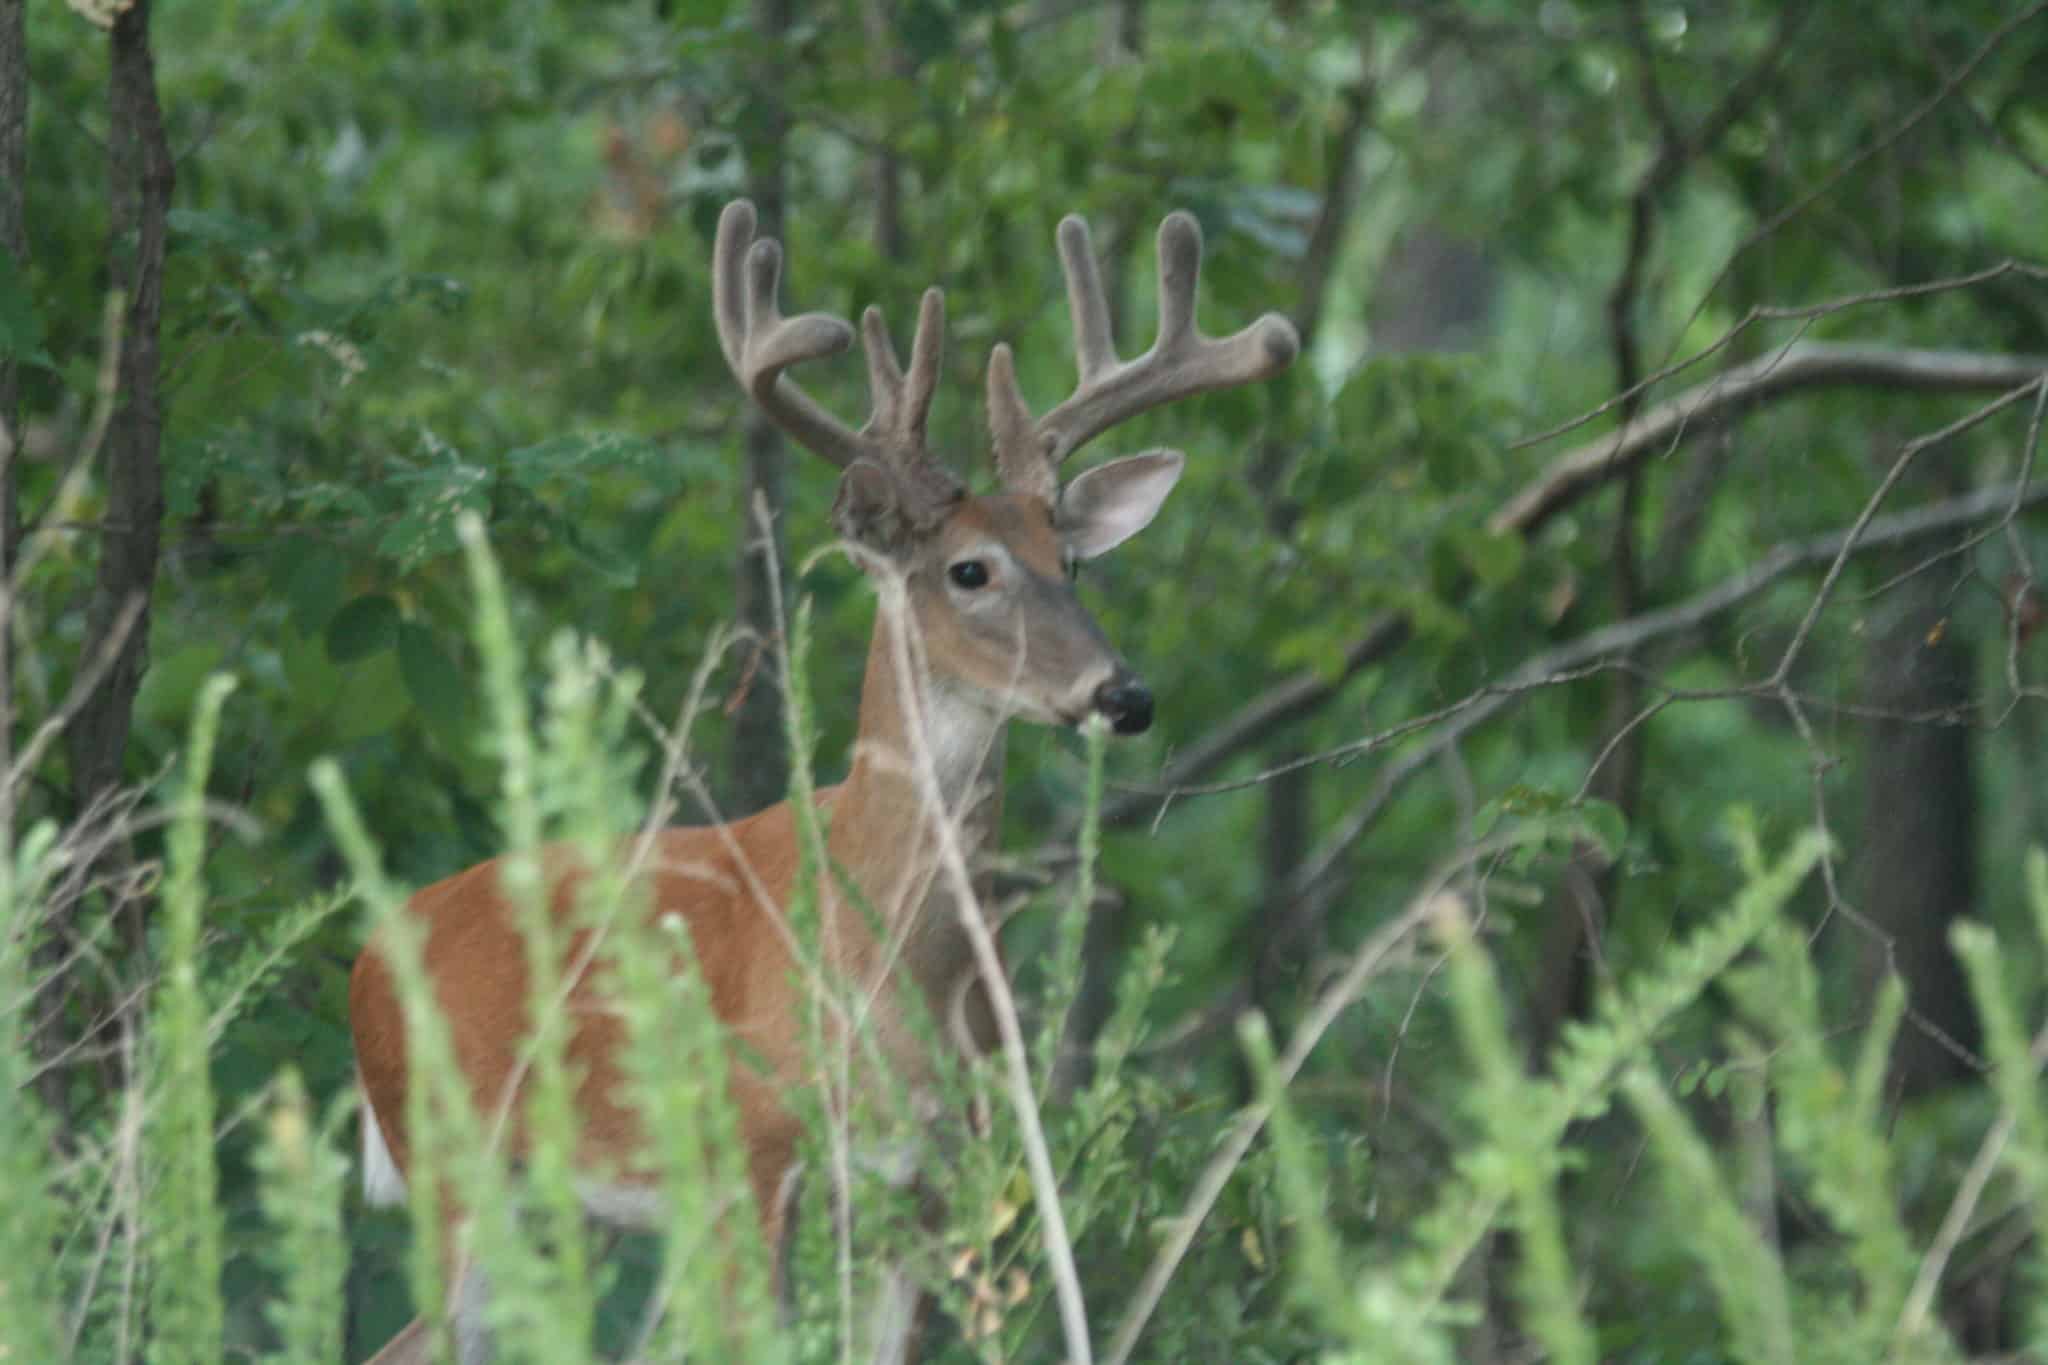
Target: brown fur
x: 881, y: 833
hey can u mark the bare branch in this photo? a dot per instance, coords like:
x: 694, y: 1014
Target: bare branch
x: 1840, y: 171
x: 1913, y: 1316
x: 1278, y: 706
x: 1806, y: 312
x: 1371, y: 956
x: 36, y: 537
x: 1571, y: 477
x: 1899, y: 466
x: 82, y: 687
x: 1571, y: 660
x: 1803, y: 366
x: 1340, y: 196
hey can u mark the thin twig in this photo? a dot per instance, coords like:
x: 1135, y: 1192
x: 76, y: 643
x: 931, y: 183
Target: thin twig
x: 1565, y: 481
x: 1850, y: 541
x: 82, y: 688
x: 1624, y: 636
x: 1920, y: 1301
x: 1795, y: 368
x: 1586, y: 655
x: 1365, y: 963
x: 1803, y: 313
x: 1954, y: 81
x: 106, y: 389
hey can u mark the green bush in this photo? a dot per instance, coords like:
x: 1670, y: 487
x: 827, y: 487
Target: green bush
x: 119, y: 1250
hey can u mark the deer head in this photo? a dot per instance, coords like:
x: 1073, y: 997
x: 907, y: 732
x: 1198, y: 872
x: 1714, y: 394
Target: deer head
x: 988, y: 579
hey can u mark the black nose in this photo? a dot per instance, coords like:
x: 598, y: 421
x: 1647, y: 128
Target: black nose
x: 1127, y: 703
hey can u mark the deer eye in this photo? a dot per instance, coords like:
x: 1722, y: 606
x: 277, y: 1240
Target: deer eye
x: 968, y: 573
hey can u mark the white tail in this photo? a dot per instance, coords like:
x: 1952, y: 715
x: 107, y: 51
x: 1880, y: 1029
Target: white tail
x: 383, y: 1182
x: 977, y: 599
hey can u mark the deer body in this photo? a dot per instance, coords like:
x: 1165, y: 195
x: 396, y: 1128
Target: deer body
x: 978, y: 623
x: 724, y: 885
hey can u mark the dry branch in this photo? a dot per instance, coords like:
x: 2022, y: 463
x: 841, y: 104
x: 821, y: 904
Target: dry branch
x: 1365, y: 963
x: 1809, y: 365
x: 1321, y: 881
x: 1952, y: 82
x: 1571, y: 477
x: 1623, y: 637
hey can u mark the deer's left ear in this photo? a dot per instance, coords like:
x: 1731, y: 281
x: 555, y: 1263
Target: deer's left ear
x: 1107, y: 505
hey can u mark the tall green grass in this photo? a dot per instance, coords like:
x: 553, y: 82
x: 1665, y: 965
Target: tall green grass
x: 31, y: 1287
x: 117, y: 1248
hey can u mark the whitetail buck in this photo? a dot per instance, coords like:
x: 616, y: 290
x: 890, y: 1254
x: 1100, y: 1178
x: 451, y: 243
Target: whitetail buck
x: 978, y: 587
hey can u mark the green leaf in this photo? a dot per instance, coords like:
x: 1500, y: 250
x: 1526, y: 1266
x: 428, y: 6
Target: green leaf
x: 21, y: 327
x: 376, y: 698
x: 219, y: 229
x: 539, y: 467
x: 434, y: 499
x: 1493, y: 557
x: 1606, y: 826
x: 431, y: 677
x: 313, y: 587
x: 172, y: 683
x: 1320, y: 647
x: 362, y: 628
x: 315, y: 682
x: 621, y: 570
x: 1526, y: 799
x: 927, y: 30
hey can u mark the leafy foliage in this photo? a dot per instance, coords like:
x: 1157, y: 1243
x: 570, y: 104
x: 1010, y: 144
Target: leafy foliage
x: 432, y: 267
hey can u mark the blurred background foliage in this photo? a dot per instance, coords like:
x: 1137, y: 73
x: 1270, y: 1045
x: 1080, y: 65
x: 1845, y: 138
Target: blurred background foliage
x: 425, y: 259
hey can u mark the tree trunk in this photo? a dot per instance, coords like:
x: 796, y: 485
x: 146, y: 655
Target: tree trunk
x: 1283, y: 934
x: 13, y: 241
x: 1916, y: 862
x: 757, y: 773
x: 1105, y: 945
x: 139, y: 189
x: 887, y: 167
x: 1288, y: 925
x: 1435, y: 293
x: 140, y: 180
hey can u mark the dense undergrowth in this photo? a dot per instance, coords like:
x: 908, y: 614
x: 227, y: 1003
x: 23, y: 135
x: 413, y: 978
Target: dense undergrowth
x: 1765, y: 1163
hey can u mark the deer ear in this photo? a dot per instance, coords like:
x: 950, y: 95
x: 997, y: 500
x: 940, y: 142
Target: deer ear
x: 868, y: 509
x: 1107, y: 505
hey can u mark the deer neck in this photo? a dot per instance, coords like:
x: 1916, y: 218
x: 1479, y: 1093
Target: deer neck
x: 886, y: 826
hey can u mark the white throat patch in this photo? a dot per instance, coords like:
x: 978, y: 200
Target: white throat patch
x: 961, y: 732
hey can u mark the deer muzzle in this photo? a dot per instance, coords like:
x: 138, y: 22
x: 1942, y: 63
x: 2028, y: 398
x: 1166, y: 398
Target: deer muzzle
x: 1126, y: 703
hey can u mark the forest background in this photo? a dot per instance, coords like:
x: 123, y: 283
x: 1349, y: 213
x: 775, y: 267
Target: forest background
x: 1656, y: 492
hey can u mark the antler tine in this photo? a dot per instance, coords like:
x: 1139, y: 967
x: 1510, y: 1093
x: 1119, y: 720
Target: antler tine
x: 1180, y: 279
x: 1182, y: 362
x: 1021, y: 461
x: 927, y: 349
x: 903, y: 402
x: 885, y: 373
x: 759, y: 343
x: 1094, y: 348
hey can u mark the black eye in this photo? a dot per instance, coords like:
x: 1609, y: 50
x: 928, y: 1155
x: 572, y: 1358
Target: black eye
x: 968, y: 573
x: 1073, y: 568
